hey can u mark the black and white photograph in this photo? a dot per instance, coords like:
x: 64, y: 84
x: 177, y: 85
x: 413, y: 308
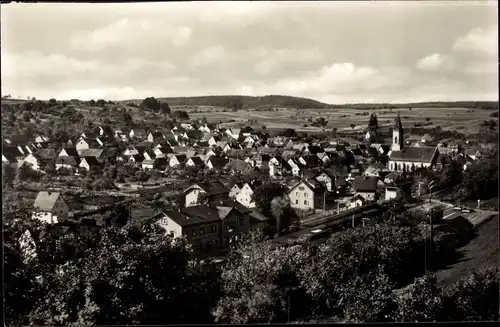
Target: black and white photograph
x: 249, y: 162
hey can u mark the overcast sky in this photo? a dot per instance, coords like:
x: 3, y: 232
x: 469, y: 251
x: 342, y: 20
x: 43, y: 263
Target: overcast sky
x: 330, y: 51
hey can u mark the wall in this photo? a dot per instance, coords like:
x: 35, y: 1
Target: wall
x: 298, y: 196
x: 82, y: 145
x: 33, y: 161
x: 191, y: 198
x: 391, y: 194
x: 60, y: 209
x: 325, y: 180
x: 408, y: 165
x: 245, y: 197
x: 170, y: 226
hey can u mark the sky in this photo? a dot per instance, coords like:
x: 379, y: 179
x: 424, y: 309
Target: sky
x: 335, y: 52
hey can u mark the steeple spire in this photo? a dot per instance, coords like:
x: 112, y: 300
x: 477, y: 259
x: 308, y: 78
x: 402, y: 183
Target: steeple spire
x: 397, y: 123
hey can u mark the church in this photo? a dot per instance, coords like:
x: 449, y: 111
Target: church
x: 403, y: 158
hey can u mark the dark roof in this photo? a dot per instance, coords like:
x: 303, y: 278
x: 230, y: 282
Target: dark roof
x: 197, y: 161
x: 194, y: 134
x: 180, y: 149
x: 71, y: 152
x: 142, y: 214
x: 11, y: 152
x: 214, y: 187
x: 238, y: 165
x: 91, y: 153
x: 46, y: 154
x: 183, y: 219
x: 71, y: 161
x: 202, y: 212
x: 397, y: 123
x: 181, y: 158
x: 365, y: 184
x: 138, y: 157
x: 156, y: 134
x: 416, y: 154
x: 92, y: 161
x: 218, y: 162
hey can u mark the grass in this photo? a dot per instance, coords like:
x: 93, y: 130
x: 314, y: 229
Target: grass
x: 480, y: 252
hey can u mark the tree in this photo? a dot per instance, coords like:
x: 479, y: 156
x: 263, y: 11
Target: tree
x: 181, y: 115
x: 422, y: 301
x: 373, y: 123
x: 352, y: 126
x: 259, y: 285
x: 289, y: 132
x: 475, y: 298
x: 52, y: 102
x: 265, y: 194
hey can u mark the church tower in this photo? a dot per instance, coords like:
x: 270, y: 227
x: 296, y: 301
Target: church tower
x: 397, y: 135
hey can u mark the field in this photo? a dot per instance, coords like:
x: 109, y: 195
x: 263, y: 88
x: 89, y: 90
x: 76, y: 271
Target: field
x: 460, y: 119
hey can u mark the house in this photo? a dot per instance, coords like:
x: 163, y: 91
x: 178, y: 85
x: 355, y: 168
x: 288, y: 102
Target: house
x: 148, y: 164
x: 376, y: 169
x: 326, y: 178
x: 310, y: 161
x: 296, y: 166
x: 67, y: 162
x: 50, y: 207
x: 473, y: 153
x: 233, y: 223
x: 177, y: 159
x: 155, y: 136
x: 68, y: 152
x: 278, y: 166
x: 194, y: 162
x: 99, y: 154
x: 41, y: 158
x: 130, y: 151
x: 426, y: 139
x: 202, y: 228
x: 149, y: 154
x: 210, y: 138
x: 244, y: 196
x: 233, y: 132
x: 356, y: 201
x: 216, y: 163
x: 234, y: 187
x: 136, y: 159
x: 408, y: 158
x: 323, y: 156
x: 204, y: 128
x: 89, y: 163
x: 239, y: 166
x: 162, y: 152
x: 398, y: 190
x: 365, y: 187
x: 87, y: 143
x: 214, y: 191
x: 302, y: 196
x: 11, y: 154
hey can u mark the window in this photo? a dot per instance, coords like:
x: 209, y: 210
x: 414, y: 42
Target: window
x: 194, y: 232
x: 296, y: 193
x: 202, y: 230
x: 305, y: 195
x: 242, y: 221
x: 296, y: 201
x: 305, y: 202
x: 395, y: 139
x: 301, y: 188
x: 213, y: 229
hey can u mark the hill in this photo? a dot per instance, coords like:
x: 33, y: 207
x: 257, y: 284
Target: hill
x: 243, y: 102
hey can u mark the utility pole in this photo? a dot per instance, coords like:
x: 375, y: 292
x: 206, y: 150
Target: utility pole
x: 352, y: 221
x: 324, y: 201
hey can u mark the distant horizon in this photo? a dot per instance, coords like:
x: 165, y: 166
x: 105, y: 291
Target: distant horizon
x: 333, y: 52
x: 257, y: 96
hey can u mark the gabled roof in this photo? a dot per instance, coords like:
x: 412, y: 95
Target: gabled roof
x: 142, y: 214
x: 306, y: 183
x: 180, y: 157
x: 156, y: 134
x: 92, y: 161
x: 218, y: 162
x: 197, y: 161
x: 70, y: 161
x: 238, y: 165
x: 365, y: 184
x: 416, y: 154
x: 212, y: 188
x: 138, y: 157
x: 180, y: 149
x: 90, y: 153
x: 45, y: 201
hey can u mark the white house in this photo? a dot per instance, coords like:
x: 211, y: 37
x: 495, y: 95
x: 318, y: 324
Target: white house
x: 244, y: 196
x: 233, y: 132
x: 34, y: 161
x: 177, y: 160
x: 148, y: 164
x: 302, y: 196
x: 50, y: 207
x: 204, y: 129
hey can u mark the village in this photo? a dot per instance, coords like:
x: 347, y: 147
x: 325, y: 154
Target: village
x: 199, y: 182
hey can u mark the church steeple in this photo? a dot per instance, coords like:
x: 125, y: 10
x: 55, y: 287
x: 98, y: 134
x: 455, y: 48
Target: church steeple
x: 397, y: 135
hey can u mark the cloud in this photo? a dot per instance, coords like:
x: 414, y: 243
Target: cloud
x: 482, y: 41
x: 208, y: 56
x: 271, y: 61
x: 435, y: 62
x: 128, y: 32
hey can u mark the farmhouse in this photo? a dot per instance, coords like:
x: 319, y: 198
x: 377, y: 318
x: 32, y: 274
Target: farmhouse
x: 244, y: 196
x: 214, y: 190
